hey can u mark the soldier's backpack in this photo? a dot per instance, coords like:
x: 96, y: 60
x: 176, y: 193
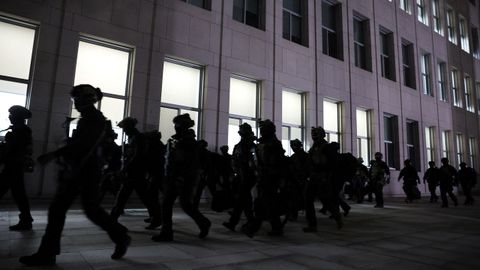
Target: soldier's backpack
x: 155, y: 152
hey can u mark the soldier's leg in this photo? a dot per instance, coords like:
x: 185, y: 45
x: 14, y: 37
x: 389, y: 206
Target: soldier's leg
x: 443, y: 195
x: 191, y: 210
x: 122, y: 197
x: 453, y: 197
x: 4, y: 183
x: 170, y: 195
x: 20, y: 197
x: 64, y: 197
x: 311, y: 191
x: 379, y: 195
x: 153, y: 206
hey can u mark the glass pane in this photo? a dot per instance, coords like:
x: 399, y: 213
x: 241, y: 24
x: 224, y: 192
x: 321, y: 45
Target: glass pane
x: 166, y: 124
x: 102, y: 67
x: 296, y: 133
x: 11, y: 93
x: 233, y: 136
x: 292, y: 108
x: 330, y: 116
x: 362, y: 123
x: 364, y: 151
x: 332, y: 137
x: 286, y: 25
x: 243, y: 98
x: 292, y: 5
x: 181, y: 85
x: 428, y: 142
x: 296, y: 28
x: 194, y: 117
x: 16, y: 48
x: 286, y: 140
x: 238, y: 10
x: 113, y: 110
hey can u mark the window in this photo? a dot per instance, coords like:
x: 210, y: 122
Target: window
x: 472, y: 150
x: 408, y: 64
x: 292, y: 119
x: 405, y: 6
x: 477, y: 88
x: 457, y: 101
x: 363, y: 135
x: 452, y: 34
x: 332, y: 29
x: 361, y: 39
x: 430, y: 143
x: 426, y: 77
x: 441, y: 76
x: 464, y: 42
x: 205, y: 4
x: 446, y: 144
x: 459, y: 147
x: 248, y: 12
x: 475, y: 43
x: 17, y: 42
x: 294, y: 27
x: 107, y: 66
x: 422, y: 13
x: 182, y: 86
x: 390, y: 140
x: 387, y: 57
x: 437, y: 17
x: 413, y: 143
x: 243, y: 107
x: 332, y: 121
x: 467, y: 85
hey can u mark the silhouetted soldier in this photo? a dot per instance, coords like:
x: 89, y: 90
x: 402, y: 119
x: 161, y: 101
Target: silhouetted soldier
x: 182, y: 169
x: 447, y: 178
x: 208, y: 174
x: 244, y: 178
x: 432, y: 177
x: 82, y: 154
x: 134, y: 174
x: 410, y: 180
x: 298, y: 178
x: 15, y: 153
x: 319, y: 183
x: 359, y: 180
x: 269, y: 162
x: 379, y: 176
x: 342, y: 168
x: 225, y: 167
x: 467, y: 177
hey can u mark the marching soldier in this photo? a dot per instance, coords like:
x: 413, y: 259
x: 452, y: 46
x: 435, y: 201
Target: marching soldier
x: 410, y: 180
x: 379, y: 177
x: 447, y: 178
x: 467, y: 177
x: 15, y: 153
x: 431, y: 176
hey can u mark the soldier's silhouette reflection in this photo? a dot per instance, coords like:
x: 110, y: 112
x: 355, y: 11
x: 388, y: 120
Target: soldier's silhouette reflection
x: 15, y: 154
x: 82, y: 155
x: 182, y: 169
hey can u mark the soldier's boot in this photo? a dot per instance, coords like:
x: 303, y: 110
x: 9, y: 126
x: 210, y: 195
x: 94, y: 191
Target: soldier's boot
x: 155, y: 222
x: 121, y: 248
x: 38, y: 259
x: 21, y: 226
x: 204, y: 229
x: 163, y: 236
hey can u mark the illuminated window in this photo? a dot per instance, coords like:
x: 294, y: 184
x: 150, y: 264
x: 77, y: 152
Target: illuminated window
x: 390, y: 139
x: 426, y: 74
x: 363, y: 135
x: 472, y: 148
x: 464, y: 41
x: 243, y: 107
x: 467, y: 85
x: 430, y: 143
x: 451, y: 32
x: 106, y: 66
x: 437, y: 17
x: 17, y: 41
x: 446, y: 144
x: 332, y: 121
x: 182, y: 85
x: 422, y: 13
x: 292, y: 119
x: 442, y: 83
x: 460, y: 155
x: 457, y: 100
x: 405, y: 6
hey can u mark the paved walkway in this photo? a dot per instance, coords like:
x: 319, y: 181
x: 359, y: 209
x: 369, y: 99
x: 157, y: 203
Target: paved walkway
x: 400, y: 236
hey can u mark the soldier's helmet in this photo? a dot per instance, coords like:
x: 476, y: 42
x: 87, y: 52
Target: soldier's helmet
x: 266, y: 126
x: 245, y: 130
x: 127, y: 122
x: 296, y: 143
x: 431, y: 163
x: 318, y: 132
x: 183, y: 120
x: 20, y: 112
x: 360, y: 160
x: 463, y: 164
x: 86, y: 94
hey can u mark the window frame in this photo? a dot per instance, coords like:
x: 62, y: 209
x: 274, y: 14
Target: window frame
x: 260, y: 14
x: 467, y: 85
x: 451, y: 31
x: 442, y: 81
x: 445, y: 136
x: 426, y: 75
x: 437, y: 17
x: 460, y: 148
x: 406, y: 6
x: 387, y: 54
x: 408, y: 64
x: 392, y: 159
x: 289, y: 126
x: 339, y: 132
x: 368, y: 138
x: 361, y: 46
x: 422, y: 12
x: 454, y: 84
x: 472, y: 151
x: 463, y: 32
x: 201, y: 88
x: 430, y: 148
x: 301, y: 16
x: 329, y: 34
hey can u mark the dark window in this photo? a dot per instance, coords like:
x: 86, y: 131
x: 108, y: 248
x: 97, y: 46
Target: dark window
x: 442, y: 75
x: 408, y: 65
x: 248, y: 12
x: 361, y: 41
x: 387, y: 57
x: 412, y: 143
x: 331, y: 29
x: 205, y: 4
x: 294, y: 27
x: 391, y: 140
x: 475, y: 44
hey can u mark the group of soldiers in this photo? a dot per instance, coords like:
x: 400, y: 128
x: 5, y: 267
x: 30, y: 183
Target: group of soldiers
x: 257, y: 180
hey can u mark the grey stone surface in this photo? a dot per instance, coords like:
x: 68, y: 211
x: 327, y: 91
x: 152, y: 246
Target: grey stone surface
x: 400, y: 236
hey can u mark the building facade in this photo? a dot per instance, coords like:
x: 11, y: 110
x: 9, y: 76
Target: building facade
x: 401, y: 77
